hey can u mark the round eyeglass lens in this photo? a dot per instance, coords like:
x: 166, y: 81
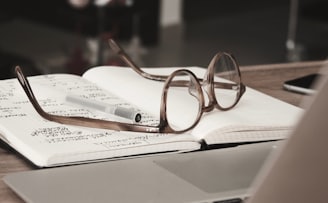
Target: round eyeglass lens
x: 183, y: 103
x: 227, y: 76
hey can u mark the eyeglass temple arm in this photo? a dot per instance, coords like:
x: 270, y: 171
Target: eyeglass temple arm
x: 120, y: 51
x: 79, y: 121
x: 27, y: 89
x: 222, y: 85
x: 126, y: 58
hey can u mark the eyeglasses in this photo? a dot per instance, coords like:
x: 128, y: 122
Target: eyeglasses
x: 182, y: 95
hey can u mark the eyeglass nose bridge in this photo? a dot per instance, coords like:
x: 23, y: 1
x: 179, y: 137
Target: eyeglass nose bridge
x: 210, y: 102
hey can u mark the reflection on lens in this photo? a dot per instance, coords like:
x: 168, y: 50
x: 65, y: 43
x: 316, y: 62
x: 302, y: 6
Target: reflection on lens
x: 226, y: 71
x: 183, y: 104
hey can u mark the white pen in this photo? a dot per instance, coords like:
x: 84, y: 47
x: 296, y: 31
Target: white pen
x: 127, y: 113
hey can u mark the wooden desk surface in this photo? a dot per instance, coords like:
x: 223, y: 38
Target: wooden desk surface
x: 265, y: 78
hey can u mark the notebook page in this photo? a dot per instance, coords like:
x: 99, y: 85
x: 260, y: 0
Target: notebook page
x: 39, y: 140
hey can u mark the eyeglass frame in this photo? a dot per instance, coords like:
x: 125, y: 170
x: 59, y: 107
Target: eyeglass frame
x: 163, y: 126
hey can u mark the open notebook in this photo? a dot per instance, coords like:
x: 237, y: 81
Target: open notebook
x: 257, y: 117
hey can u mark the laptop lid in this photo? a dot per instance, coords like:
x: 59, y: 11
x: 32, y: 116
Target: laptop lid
x: 299, y: 172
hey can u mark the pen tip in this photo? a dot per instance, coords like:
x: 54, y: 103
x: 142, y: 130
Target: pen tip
x: 138, y: 118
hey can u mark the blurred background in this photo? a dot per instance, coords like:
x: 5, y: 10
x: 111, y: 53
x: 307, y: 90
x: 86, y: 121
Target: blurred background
x: 69, y: 36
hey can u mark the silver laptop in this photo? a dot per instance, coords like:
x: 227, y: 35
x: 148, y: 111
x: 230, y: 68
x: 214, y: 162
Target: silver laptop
x: 190, y: 177
x: 223, y: 175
